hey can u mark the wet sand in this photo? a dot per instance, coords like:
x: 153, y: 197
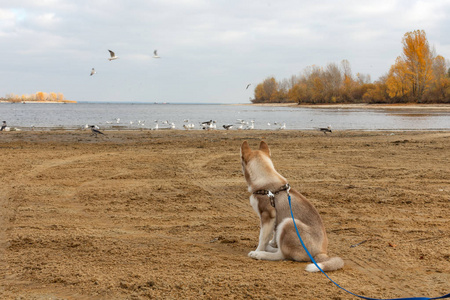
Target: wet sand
x: 166, y: 214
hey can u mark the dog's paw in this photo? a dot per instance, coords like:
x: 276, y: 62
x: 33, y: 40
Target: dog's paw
x: 255, y: 254
x: 271, y: 249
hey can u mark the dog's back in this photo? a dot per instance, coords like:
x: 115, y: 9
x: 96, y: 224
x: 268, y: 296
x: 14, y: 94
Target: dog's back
x: 261, y: 175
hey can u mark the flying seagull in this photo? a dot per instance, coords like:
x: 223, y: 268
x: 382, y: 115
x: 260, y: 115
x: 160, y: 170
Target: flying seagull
x: 155, y: 54
x: 248, y: 86
x: 93, y: 71
x: 95, y: 131
x: 325, y: 130
x: 227, y: 127
x: 113, y: 56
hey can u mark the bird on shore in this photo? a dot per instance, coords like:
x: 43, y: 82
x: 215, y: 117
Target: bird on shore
x: 95, y: 131
x: 155, y: 54
x: 112, y: 55
x: 93, y: 72
x: 242, y: 122
x: 228, y: 127
x: 325, y: 130
x: 208, y: 125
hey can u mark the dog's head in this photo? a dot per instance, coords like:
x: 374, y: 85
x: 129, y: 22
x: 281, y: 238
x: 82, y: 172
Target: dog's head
x: 256, y: 163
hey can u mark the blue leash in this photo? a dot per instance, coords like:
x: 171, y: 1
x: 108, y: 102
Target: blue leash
x: 362, y: 297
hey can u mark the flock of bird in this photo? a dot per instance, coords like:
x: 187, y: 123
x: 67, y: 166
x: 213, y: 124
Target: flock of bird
x: 188, y: 125
x: 113, y: 56
x: 207, y: 125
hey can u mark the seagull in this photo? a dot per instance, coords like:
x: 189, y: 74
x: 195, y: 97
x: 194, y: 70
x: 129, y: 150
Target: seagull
x: 248, y: 86
x: 155, y: 54
x: 283, y: 126
x: 95, y: 131
x: 325, y: 130
x: 227, y: 127
x: 93, y: 72
x: 113, y: 56
x: 207, y: 122
x: 209, y: 125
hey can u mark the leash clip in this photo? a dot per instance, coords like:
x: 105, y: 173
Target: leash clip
x: 271, y: 198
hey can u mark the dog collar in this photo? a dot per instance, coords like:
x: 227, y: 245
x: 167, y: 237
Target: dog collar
x: 271, y: 194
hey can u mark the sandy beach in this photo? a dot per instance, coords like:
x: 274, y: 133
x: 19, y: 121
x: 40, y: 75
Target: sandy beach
x: 166, y: 214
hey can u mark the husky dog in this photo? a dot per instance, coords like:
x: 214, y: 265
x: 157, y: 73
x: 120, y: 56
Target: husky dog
x: 270, y: 201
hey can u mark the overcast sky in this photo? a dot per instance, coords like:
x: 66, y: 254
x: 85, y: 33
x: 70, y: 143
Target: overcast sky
x: 210, y: 50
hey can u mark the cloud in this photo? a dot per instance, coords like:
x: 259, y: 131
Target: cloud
x: 223, y: 43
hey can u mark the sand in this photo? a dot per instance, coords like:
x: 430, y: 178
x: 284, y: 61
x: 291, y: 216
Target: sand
x: 166, y: 214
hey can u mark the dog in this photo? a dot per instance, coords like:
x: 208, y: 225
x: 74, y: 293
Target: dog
x: 269, y: 199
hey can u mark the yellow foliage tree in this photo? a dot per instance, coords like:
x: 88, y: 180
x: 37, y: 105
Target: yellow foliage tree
x: 439, y: 89
x: 419, y: 61
x: 398, y: 86
x: 267, y: 91
x: 40, y: 96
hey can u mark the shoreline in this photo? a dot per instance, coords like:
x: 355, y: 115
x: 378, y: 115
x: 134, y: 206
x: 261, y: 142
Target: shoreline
x: 115, y: 130
x: 443, y: 107
x: 30, y: 102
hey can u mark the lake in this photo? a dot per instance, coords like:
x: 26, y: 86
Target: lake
x: 47, y: 116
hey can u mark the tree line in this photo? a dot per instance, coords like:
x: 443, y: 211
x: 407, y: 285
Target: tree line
x: 39, y: 96
x: 418, y: 75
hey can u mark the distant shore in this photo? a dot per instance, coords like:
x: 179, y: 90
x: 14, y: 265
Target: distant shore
x: 27, y: 102
x: 359, y: 106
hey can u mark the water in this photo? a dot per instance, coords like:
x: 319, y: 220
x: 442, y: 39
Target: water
x: 74, y: 116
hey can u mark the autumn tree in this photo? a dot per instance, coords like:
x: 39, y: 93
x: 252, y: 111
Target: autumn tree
x: 418, y: 75
x: 348, y: 83
x: 40, y: 96
x: 378, y: 92
x: 53, y: 96
x: 418, y: 58
x: 398, y: 83
x: 439, y: 88
x: 266, y: 91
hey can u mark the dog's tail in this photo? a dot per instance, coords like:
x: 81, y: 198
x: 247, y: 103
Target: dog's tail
x: 325, y: 263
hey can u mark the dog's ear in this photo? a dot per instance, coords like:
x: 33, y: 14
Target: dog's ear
x: 264, y: 148
x: 245, y: 151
